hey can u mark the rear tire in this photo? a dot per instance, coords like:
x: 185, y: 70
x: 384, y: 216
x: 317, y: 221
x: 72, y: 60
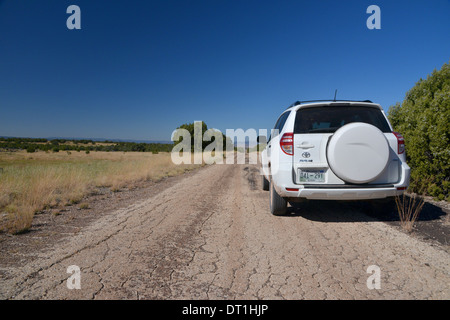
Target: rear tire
x: 278, y: 205
x: 265, y: 183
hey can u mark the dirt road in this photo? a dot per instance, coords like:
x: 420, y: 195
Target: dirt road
x: 211, y: 236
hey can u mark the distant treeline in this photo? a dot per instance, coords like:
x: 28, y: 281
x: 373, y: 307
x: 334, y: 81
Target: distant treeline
x: 56, y: 145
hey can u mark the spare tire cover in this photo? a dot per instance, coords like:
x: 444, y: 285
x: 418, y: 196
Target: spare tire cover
x: 358, y: 152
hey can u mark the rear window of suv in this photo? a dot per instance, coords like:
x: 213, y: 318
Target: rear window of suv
x: 328, y: 119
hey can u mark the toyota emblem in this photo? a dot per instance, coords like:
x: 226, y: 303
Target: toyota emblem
x: 306, y: 155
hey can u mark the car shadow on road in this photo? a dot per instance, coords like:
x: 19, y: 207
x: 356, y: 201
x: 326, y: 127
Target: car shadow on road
x: 432, y: 224
x: 357, y: 211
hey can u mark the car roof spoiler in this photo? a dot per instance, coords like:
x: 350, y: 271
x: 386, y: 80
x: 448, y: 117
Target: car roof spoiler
x: 296, y: 103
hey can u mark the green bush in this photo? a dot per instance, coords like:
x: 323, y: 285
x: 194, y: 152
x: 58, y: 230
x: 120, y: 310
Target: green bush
x: 423, y: 118
x: 31, y: 149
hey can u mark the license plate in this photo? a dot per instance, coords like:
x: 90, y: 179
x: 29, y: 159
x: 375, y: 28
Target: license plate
x: 312, y: 176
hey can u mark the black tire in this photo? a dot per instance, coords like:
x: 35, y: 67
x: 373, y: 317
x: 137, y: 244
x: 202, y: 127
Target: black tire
x: 265, y: 183
x: 278, y: 205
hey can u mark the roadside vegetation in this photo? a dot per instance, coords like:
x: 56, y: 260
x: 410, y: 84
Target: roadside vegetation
x: 56, y: 145
x: 423, y: 118
x: 32, y: 182
x: 198, y: 135
x: 409, y: 207
x: 42, y: 174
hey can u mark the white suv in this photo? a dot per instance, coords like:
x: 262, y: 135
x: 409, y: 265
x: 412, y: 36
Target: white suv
x: 336, y: 150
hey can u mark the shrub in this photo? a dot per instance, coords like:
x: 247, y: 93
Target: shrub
x: 31, y: 149
x: 423, y: 118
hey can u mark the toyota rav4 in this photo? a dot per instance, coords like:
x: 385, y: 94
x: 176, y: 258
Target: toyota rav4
x: 336, y: 150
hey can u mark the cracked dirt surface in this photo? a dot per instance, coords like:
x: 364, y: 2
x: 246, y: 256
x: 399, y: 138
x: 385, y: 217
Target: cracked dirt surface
x: 211, y: 236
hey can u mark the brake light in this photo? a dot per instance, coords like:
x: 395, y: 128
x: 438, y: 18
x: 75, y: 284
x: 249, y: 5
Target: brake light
x: 287, y: 143
x: 400, y: 143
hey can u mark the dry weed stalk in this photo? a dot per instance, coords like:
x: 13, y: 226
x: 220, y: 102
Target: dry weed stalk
x: 409, y: 207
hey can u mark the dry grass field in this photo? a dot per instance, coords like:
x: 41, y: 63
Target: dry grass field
x: 31, y: 182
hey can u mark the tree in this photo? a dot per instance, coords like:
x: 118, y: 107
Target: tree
x: 199, y: 135
x: 423, y: 118
x: 196, y: 135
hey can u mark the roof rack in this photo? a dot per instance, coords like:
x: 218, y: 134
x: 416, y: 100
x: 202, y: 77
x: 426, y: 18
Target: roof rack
x: 296, y: 103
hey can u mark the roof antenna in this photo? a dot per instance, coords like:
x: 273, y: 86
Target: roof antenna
x: 335, y: 92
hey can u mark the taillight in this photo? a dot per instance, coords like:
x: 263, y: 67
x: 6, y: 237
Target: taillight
x: 400, y: 143
x: 287, y: 143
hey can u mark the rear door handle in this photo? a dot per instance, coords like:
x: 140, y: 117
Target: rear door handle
x: 305, y: 146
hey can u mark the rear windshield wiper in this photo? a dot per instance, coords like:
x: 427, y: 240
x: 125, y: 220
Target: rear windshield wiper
x: 323, y: 130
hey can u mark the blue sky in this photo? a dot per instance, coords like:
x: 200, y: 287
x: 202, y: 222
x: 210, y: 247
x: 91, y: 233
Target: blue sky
x: 138, y: 69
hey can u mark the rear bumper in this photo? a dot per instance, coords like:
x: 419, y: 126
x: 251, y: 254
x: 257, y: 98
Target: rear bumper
x: 347, y: 193
x: 339, y: 192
